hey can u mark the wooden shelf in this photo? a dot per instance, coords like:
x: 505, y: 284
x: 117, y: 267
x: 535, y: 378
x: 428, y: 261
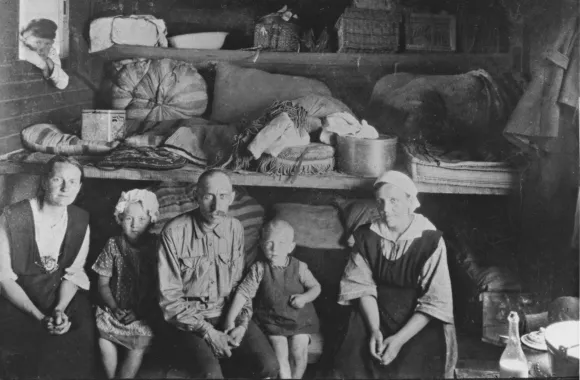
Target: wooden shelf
x: 191, y: 173
x: 312, y: 63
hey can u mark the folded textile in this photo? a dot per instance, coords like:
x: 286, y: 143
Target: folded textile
x: 142, y: 158
x: 318, y: 107
x: 241, y: 157
x: 292, y: 137
x: 202, y: 142
x: 343, y: 124
x: 279, y: 134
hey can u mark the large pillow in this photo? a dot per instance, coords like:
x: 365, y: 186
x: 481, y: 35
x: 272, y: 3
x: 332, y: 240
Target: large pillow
x: 355, y: 213
x: 157, y: 90
x: 47, y: 138
x: 242, y: 93
x: 314, y: 226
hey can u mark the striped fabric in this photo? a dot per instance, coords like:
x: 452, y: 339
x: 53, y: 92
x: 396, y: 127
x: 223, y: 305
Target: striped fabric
x: 47, y: 138
x: 175, y: 198
x: 160, y: 89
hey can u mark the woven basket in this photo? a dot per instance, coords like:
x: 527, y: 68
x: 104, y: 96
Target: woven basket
x: 273, y: 33
x: 368, y: 31
x: 384, y: 5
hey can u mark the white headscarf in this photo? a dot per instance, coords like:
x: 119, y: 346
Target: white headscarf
x: 147, y: 199
x: 403, y: 182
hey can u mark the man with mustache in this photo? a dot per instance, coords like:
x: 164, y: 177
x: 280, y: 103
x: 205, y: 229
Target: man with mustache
x: 201, y: 260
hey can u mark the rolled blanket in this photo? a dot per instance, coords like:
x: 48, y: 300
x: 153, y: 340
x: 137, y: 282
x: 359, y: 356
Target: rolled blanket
x: 48, y: 138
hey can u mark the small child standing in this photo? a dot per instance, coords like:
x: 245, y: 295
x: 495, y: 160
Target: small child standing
x: 284, y: 289
x: 126, y: 269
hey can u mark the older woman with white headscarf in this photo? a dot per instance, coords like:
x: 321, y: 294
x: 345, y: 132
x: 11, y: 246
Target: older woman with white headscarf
x: 398, y: 280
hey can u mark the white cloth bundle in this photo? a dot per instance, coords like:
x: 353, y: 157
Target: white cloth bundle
x: 343, y: 124
x: 279, y: 134
x: 139, y: 30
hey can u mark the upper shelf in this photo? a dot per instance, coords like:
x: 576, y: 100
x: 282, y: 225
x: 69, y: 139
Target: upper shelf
x: 427, y: 62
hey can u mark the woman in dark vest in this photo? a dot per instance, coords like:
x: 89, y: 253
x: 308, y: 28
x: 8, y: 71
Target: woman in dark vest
x: 46, y: 324
x: 398, y: 280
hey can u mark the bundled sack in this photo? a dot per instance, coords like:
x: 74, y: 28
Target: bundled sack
x: 158, y: 90
x: 465, y: 111
x: 48, y: 138
x: 140, y: 30
x: 142, y: 158
x: 318, y: 107
x: 242, y: 93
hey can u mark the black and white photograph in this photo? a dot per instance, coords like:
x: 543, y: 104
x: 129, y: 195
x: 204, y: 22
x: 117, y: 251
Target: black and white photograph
x: 289, y: 189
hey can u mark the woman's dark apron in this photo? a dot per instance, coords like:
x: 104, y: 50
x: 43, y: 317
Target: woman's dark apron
x: 27, y: 348
x: 423, y: 356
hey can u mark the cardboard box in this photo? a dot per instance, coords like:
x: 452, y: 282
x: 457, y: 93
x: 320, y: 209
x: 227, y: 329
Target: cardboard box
x: 103, y: 125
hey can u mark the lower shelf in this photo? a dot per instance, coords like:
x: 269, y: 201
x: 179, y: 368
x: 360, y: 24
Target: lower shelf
x: 33, y: 164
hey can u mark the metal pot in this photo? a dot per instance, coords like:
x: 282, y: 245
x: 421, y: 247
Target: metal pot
x: 562, y: 342
x: 365, y: 157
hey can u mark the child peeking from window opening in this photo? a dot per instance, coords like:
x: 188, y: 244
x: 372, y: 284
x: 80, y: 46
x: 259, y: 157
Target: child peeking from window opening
x: 38, y: 41
x: 284, y: 289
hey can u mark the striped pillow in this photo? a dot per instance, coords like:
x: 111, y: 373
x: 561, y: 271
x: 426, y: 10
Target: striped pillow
x: 47, y: 138
x: 174, y: 198
x: 159, y: 89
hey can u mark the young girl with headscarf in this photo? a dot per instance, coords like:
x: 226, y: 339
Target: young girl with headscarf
x: 126, y: 270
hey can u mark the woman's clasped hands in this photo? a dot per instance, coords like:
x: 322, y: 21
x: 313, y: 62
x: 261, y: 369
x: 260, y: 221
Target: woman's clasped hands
x: 56, y: 324
x: 384, y: 350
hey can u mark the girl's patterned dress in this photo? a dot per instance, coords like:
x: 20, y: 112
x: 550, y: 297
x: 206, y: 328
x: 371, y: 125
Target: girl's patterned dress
x: 132, y: 272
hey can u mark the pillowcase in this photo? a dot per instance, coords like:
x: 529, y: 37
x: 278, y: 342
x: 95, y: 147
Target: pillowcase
x: 47, y: 138
x: 242, y: 93
x: 160, y: 89
x: 355, y: 213
x: 314, y: 226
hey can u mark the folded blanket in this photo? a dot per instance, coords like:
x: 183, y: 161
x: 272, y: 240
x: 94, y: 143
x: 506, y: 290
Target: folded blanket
x: 202, y: 142
x: 142, y: 158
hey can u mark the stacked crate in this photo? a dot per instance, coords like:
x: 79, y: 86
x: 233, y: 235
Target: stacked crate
x: 370, y: 26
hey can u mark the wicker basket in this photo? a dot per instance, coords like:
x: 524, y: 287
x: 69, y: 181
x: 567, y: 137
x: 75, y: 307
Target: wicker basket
x: 368, y: 31
x: 384, y: 5
x: 273, y: 33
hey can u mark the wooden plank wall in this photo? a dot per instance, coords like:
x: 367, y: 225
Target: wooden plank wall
x: 25, y: 97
